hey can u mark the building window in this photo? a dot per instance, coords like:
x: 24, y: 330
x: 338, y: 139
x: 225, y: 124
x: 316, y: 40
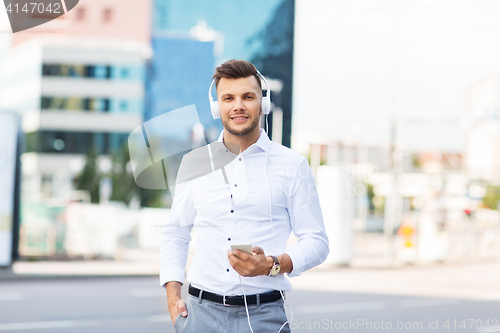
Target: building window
x: 108, y: 72
x: 80, y: 14
x: 124, y: 105
x: 107, y: 15
x: 75, y: 104
x: 61, y: 142
x: 77, y: 71
x: 125, y: 73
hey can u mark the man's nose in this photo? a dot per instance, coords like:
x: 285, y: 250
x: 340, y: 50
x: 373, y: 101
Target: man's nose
x: 238, y: 104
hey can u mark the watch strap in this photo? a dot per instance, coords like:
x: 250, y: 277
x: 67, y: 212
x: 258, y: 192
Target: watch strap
x: 276, y: 262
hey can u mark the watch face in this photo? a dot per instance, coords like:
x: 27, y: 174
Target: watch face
x: 275, y: 270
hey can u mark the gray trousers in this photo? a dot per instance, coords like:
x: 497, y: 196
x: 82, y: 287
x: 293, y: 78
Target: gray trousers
x: 210, y: 317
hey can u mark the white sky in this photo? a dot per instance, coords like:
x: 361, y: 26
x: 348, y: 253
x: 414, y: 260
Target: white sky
x: 344, y: 53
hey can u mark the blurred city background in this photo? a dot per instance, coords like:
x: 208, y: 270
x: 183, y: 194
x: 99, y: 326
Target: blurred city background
x: 395, y: 103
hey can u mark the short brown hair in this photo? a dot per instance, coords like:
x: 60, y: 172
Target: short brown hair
x: 235, y: 69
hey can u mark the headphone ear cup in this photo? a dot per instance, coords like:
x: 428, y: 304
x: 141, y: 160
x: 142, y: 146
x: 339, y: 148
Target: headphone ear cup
x: 266, y: 105
x: 214, y: 106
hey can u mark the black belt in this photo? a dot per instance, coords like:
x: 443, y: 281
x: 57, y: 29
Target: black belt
x: 235, y: 300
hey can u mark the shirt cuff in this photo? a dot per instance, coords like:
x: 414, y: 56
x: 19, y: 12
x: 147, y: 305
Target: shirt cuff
x: 172, y: 274
x: 298, y: 261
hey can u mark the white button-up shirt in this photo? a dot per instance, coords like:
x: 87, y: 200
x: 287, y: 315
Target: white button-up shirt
x: 237, y: 211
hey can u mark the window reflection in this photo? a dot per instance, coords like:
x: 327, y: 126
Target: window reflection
x: 77, y: 71
x: 75, y: 104
x: 74, y: 142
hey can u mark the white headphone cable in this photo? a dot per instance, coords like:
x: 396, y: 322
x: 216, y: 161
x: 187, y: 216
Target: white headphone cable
x: 274, y: 249
x: 267, y: 131
x: 246, y: 305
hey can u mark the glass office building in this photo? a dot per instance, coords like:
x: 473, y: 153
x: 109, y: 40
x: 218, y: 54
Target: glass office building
x: 259, y: 31
x: 179, y: 75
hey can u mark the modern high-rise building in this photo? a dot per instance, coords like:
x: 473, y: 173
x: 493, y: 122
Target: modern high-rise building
x: 260, y: 31
x: 119, y: 19
x: 74, y: 95
x: 5, y: 38
x: 179, y: 75
x: 239, y: 22
x: 79, y: 83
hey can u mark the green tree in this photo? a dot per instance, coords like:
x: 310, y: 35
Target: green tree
x: 123, y: 183
x: 152, y: 198
x: 370, y: 193
x: 89, y: 179
x: 123, y: 188
x: 492, y: 197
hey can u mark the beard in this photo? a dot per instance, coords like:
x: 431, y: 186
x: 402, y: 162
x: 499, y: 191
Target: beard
x: 245, y: 130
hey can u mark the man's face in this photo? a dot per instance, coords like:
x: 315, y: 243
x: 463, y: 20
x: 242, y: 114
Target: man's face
x: 239, y: 104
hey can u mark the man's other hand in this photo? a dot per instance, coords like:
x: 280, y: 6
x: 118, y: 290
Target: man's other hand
x: 250, y: 264
x: 176, y: 305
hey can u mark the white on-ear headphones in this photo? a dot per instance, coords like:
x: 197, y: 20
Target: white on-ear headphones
x: 265, y: 105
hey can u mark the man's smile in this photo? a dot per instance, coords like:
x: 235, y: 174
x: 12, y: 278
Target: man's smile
x: 239, y: 119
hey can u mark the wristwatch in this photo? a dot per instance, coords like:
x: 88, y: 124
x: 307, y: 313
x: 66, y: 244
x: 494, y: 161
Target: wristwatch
x: 275, y: 269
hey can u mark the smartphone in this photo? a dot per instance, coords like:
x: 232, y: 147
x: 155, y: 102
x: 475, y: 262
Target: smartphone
x: 247, y: 248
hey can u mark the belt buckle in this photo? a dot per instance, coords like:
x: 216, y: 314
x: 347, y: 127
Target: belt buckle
x: 224, y: 301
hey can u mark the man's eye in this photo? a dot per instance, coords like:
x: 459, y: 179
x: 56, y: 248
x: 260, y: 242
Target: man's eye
x: 249, y: 97
x: 227, y: 98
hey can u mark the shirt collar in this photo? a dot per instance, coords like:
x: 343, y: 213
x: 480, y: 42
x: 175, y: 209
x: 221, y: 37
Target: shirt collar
x: 263, y: 142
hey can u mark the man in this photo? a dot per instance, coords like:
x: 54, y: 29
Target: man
x: 264, y: 193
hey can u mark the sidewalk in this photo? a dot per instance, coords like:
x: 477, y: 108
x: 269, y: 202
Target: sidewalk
x: 132, y: 263
x: 474, y: 280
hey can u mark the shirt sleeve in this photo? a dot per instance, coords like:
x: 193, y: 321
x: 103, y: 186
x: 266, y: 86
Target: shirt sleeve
x: 307, y: 223
x: 176, y: 237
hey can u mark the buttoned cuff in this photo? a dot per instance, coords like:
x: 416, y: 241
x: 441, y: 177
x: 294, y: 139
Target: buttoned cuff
x: 298, y: 261
x: 172, y: 274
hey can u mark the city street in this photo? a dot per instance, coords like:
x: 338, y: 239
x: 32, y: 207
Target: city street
x: 459, y: 298
x: 363, y: 136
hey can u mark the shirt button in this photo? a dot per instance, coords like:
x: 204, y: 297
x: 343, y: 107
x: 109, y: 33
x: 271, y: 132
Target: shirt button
x: 229, y: 239
x: 240, y: 159
x: 235, y: 185
x: 227, y: 270
x: 232, y: 211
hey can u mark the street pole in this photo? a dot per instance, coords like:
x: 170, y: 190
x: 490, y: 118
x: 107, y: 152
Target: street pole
x: 391, y: 216
x: 393, y: 207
